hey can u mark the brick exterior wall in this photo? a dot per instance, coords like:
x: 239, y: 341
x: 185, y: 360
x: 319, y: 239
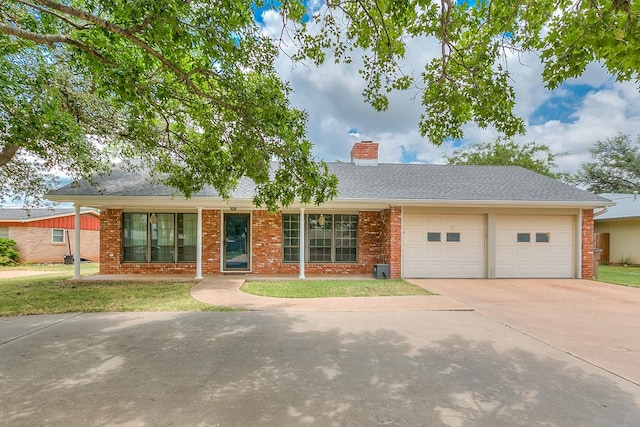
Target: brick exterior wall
x: 266, y: 247
x: 211, y: 239
x: 34, y: 244
x: 364, y: 150
x: 391, y: 250
x: 588, y: 235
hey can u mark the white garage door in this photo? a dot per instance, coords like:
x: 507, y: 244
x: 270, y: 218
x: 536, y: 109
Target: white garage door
x: 442, y: 246
x: 535, y: 246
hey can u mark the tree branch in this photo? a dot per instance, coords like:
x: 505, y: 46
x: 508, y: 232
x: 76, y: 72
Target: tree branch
x: 51, y: 40
x: 8, y: 153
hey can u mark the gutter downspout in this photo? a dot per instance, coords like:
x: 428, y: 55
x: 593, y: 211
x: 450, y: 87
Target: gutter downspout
x: 604, y: 210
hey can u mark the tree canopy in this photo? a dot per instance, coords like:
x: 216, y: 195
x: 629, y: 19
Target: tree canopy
x: 469, y: 81
x: 186, y: 89
x: 614, y: 166
x: 189, y: 90
x: 500, y: 152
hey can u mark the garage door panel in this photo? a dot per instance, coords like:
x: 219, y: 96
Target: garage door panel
x: 444, y: 259
x: 555, y: 258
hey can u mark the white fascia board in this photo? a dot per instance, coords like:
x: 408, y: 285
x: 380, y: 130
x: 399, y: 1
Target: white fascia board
x: 178, y: 202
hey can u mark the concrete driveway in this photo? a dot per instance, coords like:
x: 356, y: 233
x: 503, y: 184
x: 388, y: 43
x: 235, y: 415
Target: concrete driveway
x: 289, y: 369
x: 597, y: 322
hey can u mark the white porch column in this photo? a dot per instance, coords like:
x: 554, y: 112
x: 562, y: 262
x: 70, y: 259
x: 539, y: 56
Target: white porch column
x: 76, y: 256
x: 199, y: 245
x: 301, y: 241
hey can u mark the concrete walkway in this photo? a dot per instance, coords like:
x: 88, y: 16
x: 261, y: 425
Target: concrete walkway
x: 225, y: 291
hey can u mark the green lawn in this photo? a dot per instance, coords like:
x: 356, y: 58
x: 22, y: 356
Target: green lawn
x: 332, y: 288
x: 627, y: 276
x: 52, y: 293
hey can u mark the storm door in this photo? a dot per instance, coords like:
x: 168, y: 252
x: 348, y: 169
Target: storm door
x: 236, y: 242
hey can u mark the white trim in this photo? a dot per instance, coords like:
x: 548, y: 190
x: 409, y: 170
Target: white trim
x: 249, y: 242
x: 122, y: 202
x: 301, y: 242
x: 64, y: 239
x: 199, y: 245
x: 579, y: 245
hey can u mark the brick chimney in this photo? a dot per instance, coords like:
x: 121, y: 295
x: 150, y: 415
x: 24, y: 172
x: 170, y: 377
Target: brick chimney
x: 365, y: 153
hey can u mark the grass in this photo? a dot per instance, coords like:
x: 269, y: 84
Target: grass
x: 619, y: 275
x: 52, y: 293
x: 332, y: 288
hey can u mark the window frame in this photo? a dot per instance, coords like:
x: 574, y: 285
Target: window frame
x: 290, y: 251
x: 53, y: 236
x: 177, y: 248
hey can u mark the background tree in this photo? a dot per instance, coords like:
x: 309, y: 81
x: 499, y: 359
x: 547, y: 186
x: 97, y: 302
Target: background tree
x: 532, y: 155
x: 614, y: 166
x: 185, y: 89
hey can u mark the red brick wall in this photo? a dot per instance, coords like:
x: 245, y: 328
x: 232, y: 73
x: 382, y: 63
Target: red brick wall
x: 364, y: 150
x: 110, y: 241
x: 211, y: 230
x: 266, y: 246
x: 391, y: 239
x: 111, y: 247
x: 587, y: 244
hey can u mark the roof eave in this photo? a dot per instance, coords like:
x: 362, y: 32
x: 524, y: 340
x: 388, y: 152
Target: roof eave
x: 133, y: 202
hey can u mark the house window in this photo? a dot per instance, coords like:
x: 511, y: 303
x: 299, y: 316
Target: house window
x: 57, y: 235
x: 329, y: 238
x: 433, y: 237
x: 135, y: 237
x: 542, y: 237
x: 523, y: 237
x: 4, y: 232
x: 290, y: 238
x: 453, y: 237
x: 346, y: 238
x: 170, y: 238
x: 187, y: 237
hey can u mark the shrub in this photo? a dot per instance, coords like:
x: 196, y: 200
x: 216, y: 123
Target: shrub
x: 8, y: 253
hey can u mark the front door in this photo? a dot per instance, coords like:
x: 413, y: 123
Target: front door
x: 236, y: 242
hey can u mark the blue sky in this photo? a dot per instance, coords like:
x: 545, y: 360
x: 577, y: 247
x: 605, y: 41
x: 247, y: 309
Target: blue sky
x: 569, y: 119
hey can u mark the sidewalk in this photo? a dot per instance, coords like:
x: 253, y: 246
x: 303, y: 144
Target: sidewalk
x: 225, y: 291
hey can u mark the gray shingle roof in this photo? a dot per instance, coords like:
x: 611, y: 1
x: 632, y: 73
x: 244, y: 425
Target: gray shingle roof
x: 18, y: 214
x: 385, y: 182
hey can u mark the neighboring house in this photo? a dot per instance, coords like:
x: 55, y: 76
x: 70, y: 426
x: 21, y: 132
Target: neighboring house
x: 42, y: 235
x: 419, y: 220
x: 618, y: 230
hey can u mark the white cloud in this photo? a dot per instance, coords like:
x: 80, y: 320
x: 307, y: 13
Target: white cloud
x: 332, y: 96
